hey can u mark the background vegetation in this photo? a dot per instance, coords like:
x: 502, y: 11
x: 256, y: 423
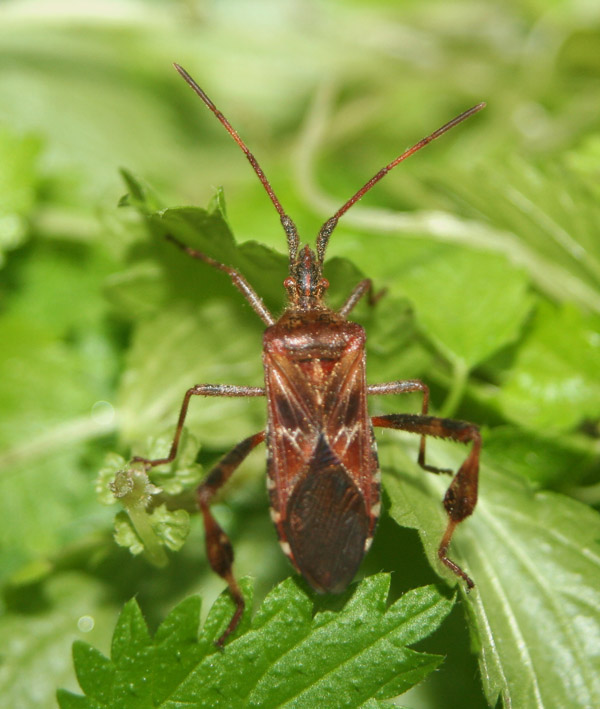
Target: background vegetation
x: 487, y: 243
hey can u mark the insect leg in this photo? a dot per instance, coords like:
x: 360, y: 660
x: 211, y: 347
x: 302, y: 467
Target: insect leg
x: 238, y: 280
x: 198, y: 390
x: 362, y: 288
x: 461, y: 497
x: 218, y: 547
x: 406, y: 386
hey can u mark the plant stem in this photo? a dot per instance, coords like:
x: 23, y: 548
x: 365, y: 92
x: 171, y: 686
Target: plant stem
x: 457, y: 388
x: 152, y: 546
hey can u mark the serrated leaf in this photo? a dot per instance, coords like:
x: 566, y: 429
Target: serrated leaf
x: 99, y: 683
x: 200, y: 228
x: 286, y: 658
x: 535, y: 560
x: 344, y: 645
x: 220, y: 614
x: 178, y: 630
x: 207, y: 231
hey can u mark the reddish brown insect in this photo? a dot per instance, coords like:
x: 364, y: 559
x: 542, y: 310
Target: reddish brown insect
x: 323, y: 474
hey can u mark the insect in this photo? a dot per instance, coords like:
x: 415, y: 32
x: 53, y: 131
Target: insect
x: 323, y: 474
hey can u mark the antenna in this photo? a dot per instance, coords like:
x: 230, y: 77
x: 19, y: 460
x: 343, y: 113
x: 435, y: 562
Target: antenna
x: 330, y: 224
x: 288, y: 225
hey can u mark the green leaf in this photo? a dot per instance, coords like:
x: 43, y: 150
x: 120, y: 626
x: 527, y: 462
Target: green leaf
x: 208, y: 231
x: 456, y: 296
x: 199, y: 348
x: 172, y: 526
x: 546, y: 460
x: 220, y: 614
x: 99, y: 683
x: 202, y: 229
x: 470, y: 304
x: 535, y: 560
x: 348, y: 658
x: 545, y: 218
x: 139, y: 194
x: 553, y: 383
x: 126, y: 536
x: 68, y: 700
x: 198, y: 345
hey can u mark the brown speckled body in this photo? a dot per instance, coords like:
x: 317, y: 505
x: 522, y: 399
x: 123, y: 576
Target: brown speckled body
x: 322, y: 460
x: 323, y: 477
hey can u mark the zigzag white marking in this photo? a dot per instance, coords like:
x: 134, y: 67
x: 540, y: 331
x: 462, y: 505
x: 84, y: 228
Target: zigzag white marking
x: 349, y: 434
x: 292, y: 435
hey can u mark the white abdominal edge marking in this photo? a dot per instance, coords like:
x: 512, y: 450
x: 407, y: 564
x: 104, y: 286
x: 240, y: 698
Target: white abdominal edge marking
x: 275, y: 515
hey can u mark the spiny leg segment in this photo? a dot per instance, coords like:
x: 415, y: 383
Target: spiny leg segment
x: 198, y: 390
x: 461, y: 497
x: 364, y: 287
x: 237, y: 279
x: 218, y: 546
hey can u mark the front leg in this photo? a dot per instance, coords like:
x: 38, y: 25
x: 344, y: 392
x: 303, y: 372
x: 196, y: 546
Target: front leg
x: 198, y: 390
x: 365, y: 287
x: 237, y: 279
x: 461, y: 497
x: 218, y: 546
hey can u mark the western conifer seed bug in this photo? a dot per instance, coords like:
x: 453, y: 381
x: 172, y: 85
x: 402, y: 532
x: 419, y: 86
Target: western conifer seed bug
x: 323, y: 474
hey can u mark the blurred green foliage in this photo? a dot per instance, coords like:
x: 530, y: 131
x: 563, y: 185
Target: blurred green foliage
x: 487, y: 243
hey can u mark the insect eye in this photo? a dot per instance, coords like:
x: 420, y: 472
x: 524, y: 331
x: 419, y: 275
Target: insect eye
x: 289, y: 283
x: 324, y: 283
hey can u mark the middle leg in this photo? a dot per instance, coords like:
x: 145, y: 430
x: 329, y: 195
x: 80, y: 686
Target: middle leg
x: 408, y: 386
